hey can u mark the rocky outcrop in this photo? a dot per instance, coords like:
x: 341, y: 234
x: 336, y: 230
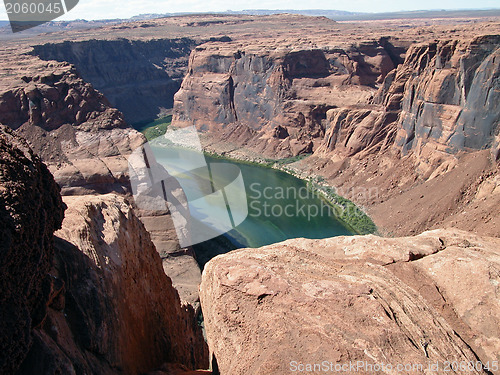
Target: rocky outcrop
x: 118, y: 311
x: 246, y: 92
x: 98, y: 302
x: 451, y: 98
x: 30, y: 211
x: 442, y: 100
x: 338, y: 301
x: 138, y: 77
x: 351, y: 131
x: 73, y: 128
x: 56, y: 97
x: 85, y: 144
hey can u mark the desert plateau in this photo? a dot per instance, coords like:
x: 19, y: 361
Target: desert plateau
x: 253, y: 192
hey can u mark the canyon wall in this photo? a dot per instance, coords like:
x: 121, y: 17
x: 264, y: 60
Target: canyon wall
x: 86, y: 143
x: 428, y: 142
x: 430, y: 124
x: 98, y: 301
x: 72, y: 127
x: 442, y: 100
x: 138, y: 77
x: 444, y: 93
x: 275, y: 101
x: 450, y: 100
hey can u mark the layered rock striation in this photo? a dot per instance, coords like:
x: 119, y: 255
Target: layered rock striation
x: 139, y: 77
x: 442, y: 100
x: 386, y: 125
x: 450, y: 98
x: 72, y: 127
x: 275, y: 101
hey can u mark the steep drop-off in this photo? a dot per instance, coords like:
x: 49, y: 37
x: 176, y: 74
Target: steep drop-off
x: 451, y: 97
x: 429, y: 144
x: 138, y: 77
x: 85, y: 143
x: 445, y: 92
x: 98, y: 301
x: 425, y: 129
x: 119, y: 311
x: 31, y: 210
x: 275, y: 101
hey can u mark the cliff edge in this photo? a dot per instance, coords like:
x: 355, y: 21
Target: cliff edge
x: 92, y: 299
x: 355, y: 301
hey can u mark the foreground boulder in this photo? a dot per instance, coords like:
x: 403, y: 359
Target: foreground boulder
x: 418, y: 300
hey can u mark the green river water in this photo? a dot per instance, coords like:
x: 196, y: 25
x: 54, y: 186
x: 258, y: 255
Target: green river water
x: 280, y: 207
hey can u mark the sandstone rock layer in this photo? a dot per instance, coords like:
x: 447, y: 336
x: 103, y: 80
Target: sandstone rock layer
x: 96, y: 302
x: 348, y: 299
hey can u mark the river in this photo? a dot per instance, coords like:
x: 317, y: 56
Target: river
x: 279, y: 205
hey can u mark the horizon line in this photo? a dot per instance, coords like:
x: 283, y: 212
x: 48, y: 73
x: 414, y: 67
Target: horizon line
x: 174, y: 14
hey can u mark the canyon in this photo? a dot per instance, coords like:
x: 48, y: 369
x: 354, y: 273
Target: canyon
x: 400, y: 116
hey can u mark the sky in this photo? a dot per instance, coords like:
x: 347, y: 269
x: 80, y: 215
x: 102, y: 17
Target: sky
x: 100, y: 9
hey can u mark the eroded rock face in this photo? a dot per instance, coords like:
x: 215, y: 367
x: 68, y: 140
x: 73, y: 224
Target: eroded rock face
x: 118, y: 311
x: 349, y: 299
x: 451, y: 98
x: 427, y: 143
x: 138, y: 77
x: 441, y: 100
x: 245, y: 93
x: 86, y: 143
x: 98, y: 302
x: 30, y: 211
x: 351, y: 131
x: 56, y: 97
x: 72, y: 127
